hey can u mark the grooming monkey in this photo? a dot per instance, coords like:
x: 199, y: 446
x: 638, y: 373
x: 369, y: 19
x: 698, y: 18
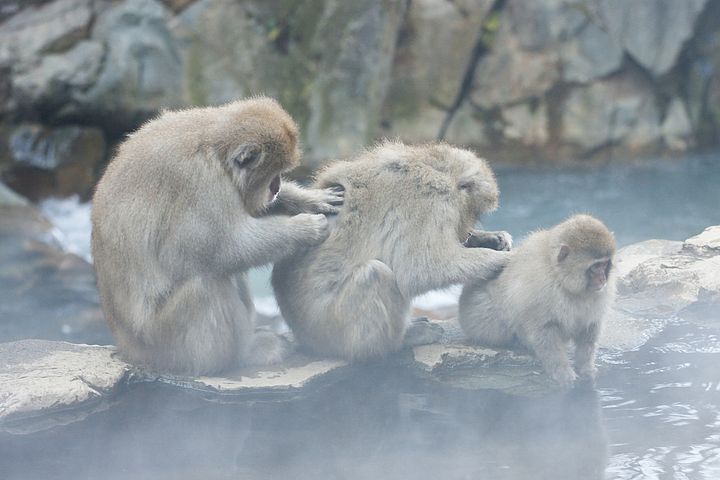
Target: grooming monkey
x: 178, y: 218
x: 555, y: 289
x: 350, y: 296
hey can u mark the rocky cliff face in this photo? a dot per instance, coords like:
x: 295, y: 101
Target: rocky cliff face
x: 549, y: 79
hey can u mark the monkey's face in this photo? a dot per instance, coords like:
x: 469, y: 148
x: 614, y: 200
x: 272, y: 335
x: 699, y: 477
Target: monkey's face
x: 583, y: 272
x: 256, y: 170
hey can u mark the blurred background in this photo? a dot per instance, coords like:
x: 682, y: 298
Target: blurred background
x: 532, y: 82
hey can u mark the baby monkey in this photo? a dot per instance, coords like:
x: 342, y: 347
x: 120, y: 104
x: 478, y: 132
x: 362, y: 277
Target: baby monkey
x: 556, y: 288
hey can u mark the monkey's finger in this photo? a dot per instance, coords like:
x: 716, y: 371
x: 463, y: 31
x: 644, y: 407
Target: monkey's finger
x: 335, y: 200
x: 327, y: 209
x: 337, y: 189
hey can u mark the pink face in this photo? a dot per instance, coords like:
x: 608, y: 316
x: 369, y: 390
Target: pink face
x: 598, y: 274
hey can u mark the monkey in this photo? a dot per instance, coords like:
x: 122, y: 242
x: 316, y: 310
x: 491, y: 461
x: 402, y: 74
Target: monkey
x: 555, y: 290
x: 190, y: 202
x: 349, y: 297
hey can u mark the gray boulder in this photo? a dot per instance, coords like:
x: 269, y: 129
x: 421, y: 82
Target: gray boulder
x: 592, y: 54
x: 57, y: 161
x: 672, y: 284
x: 510, y: 74
x: 52, y: 27
x: 652, y: 31
x: 141, y: 71
x: 327, y: 62
x: 619, y: 110
x: 38, y: 376
x: 424, y: 83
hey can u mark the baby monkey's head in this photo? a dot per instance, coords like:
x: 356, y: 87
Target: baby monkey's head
x: 257, y: 141
x: 583, y: 251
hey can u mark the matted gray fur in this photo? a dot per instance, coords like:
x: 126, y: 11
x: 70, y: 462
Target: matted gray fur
x: 399, y: 234
x: 181, y: 214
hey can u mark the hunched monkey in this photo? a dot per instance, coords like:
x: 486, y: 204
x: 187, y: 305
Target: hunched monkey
x: 180, y: 215
x: 555, y: 289
x: 349, y: 297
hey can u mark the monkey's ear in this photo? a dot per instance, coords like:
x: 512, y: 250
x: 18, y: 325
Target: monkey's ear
x: 563, y: 253
x: 247, y: 155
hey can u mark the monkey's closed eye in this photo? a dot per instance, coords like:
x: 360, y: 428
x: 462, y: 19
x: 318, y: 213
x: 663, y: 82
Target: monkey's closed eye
x: 466, y: 186
x: 247, y: 156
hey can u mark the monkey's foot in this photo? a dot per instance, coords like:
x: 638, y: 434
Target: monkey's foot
x: 268, y: 348
x: 587, y: 372
x: 564, y: 375
x: 422, y: 332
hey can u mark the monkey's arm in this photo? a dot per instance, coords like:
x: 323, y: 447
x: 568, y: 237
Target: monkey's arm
x: 546, y: 341
x: 495, y: 240
x: 452, y: 264
x: 585, y: 346
x: 294, y: 199
x: 259, y: 241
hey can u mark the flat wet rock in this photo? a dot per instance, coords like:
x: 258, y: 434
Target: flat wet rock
x: 659, y: 281
x: 38, y: 376
x: 287, y: 379
x: 49, y: 380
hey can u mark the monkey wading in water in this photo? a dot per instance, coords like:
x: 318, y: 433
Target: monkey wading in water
x: 555, y: 289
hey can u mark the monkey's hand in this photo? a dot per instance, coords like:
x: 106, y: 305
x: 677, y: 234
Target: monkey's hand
x: 323, y: 200
x: 311, y: 228
x: 501, y: 241
x: 293, y: 199
x: 493, y: 263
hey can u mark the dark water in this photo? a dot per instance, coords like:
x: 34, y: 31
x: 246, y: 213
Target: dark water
x: 654, y: 413
x: 663, y: 199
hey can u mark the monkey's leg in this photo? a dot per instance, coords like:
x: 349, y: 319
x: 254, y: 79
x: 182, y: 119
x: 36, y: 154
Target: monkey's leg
x: 202, y: 328
x: 370, y: 313
x: 585, y: 347
x: 482, y: 325
x: 422, y: 331
x: 293, y: 199
x: 550, y: 348
x: 495, y: 240
x: 267, y: 348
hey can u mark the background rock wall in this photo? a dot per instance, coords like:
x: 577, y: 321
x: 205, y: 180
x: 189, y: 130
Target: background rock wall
x: 545, y: 80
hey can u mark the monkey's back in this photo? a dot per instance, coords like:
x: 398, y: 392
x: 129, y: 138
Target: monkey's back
x: 145, y: 196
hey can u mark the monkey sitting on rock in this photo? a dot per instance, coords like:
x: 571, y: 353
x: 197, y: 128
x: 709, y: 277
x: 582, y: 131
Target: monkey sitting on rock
x: 349, y: 297
x: 555, y: 289
x: 191, y: 201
